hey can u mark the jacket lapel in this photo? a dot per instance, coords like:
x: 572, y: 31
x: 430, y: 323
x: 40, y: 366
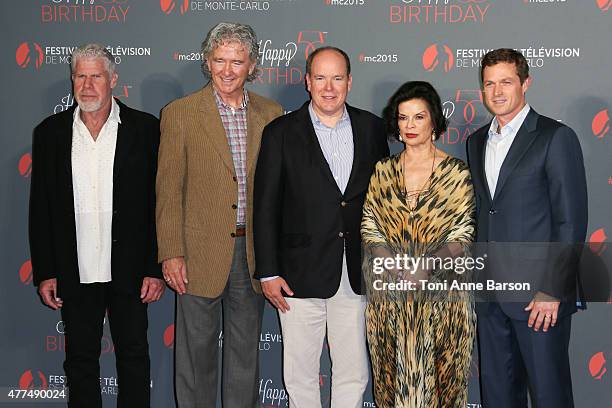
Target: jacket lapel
x: 125, y: 138
x: 358, y: 147
x: 65, y: 144
x: 481, y: 148
x: 210, y: 122
x: 523, y: 140
x: 255, y: 125
x: 314, y: 147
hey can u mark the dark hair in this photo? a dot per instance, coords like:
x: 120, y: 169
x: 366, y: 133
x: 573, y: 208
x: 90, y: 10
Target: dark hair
x: 327, y: 48
x: 505, y: 55
x: 415, y: 90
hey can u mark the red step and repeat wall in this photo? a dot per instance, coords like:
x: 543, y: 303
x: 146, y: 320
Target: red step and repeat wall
x: 156, y: 44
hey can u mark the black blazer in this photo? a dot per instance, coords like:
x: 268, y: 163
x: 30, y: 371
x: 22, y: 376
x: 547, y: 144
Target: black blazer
x: 540, y: 195
x: 302, y: 221
x: 53, y: 247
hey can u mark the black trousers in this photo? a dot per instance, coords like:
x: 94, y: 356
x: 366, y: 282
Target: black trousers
x: 83, y: 317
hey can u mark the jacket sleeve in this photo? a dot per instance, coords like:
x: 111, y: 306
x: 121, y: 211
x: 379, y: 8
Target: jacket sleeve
x: 567, y: 187
x: 153, y: 268
x: 171, y: 172
x: 267, y: 203
x: 567, y: 190
x: 40, y: 220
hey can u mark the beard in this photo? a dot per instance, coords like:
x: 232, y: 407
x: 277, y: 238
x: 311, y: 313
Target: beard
x: 90, y: 106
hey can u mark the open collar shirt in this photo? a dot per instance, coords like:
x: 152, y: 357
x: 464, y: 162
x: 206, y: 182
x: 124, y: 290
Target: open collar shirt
x: 92, y: 180
x: 498, y: 146
x: 235, y: 125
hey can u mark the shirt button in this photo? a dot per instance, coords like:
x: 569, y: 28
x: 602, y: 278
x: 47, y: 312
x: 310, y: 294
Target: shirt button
x: 233, y: 235
x: 234, y: 178
x: 341, y: 234
x: 234, y: 206
x: 343, y: 203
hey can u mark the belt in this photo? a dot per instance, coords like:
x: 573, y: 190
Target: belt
x: 240, y: 232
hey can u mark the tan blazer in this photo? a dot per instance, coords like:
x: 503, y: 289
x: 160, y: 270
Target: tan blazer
x: 196, y: 188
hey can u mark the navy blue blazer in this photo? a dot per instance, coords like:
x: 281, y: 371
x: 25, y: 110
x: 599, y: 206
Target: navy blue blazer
x: 302, y: 221
x: 540, y: 195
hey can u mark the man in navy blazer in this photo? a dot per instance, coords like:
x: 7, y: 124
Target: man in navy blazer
x: 530, y: 187
x: 311, y: 179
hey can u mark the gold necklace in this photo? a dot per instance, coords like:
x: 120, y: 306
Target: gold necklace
x: 412, y: 197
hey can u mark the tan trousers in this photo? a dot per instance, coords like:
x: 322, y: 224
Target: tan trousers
x: 303, y: 329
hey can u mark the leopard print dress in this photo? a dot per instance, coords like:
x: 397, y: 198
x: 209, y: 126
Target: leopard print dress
x: 420, y: 345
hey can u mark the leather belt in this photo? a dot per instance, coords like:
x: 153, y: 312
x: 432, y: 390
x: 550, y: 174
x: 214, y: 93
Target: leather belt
x: 240, y: 232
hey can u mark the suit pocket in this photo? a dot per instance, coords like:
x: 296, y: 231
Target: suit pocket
x: 295, y: 240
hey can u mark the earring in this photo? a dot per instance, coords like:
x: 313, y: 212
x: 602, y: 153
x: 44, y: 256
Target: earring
x: 433, y: 136
x: 399, y: 136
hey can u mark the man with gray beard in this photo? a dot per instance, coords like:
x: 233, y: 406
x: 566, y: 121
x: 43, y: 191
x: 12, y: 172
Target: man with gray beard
x: 92, y: 229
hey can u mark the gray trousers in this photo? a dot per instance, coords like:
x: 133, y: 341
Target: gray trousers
x: 197, y: 342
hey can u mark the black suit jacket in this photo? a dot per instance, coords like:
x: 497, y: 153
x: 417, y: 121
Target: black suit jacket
x: 540, y: 196
x: 53, y: 246
x: 302, y: 221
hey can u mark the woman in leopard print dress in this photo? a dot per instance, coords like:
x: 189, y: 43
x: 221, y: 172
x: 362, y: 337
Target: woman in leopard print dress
x: 420, y: 203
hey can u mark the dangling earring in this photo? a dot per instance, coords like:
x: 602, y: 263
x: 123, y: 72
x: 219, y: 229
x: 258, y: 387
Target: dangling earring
x: 399, y: 136
x: 433, y: 136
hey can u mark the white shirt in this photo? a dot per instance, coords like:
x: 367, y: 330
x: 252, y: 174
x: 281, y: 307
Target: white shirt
x: 92, y: 183
x: 498, y: 145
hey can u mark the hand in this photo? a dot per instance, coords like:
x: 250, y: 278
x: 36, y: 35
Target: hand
x: 175, y: 274
x: 272, y: 291
x: 414, y: 275
x: 152, y: 289
x: 544, y: 309
x: 47, y: 290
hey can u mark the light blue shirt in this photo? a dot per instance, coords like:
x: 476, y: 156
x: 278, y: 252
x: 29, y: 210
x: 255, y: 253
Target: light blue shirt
x: 337, y: 146
x: 498, y: 146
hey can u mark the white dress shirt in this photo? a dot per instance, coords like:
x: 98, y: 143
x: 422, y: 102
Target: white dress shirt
x: 498, y: 145
x: 92, y: 181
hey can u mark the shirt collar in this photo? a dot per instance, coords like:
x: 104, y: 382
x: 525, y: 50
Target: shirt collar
x: 222, y: 104
x: 345, y: 118
x: 514, y: 125
x: 113, y: 116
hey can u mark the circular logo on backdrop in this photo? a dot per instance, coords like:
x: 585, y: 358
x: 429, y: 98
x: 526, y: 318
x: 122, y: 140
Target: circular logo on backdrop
x: 597, y: 366
x: 25, y: 272
x: 25, y: 165
x: 26, y: 52
x: 168, y: 6
x: 604, y: 5
x: 434, y: 55
x: 169, y: 336
x: 597, y: 241
x: 601, y: 123
x: 32, y: 380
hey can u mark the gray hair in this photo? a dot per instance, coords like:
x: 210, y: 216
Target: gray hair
x: 224, y: 33
x: 93, y: 50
